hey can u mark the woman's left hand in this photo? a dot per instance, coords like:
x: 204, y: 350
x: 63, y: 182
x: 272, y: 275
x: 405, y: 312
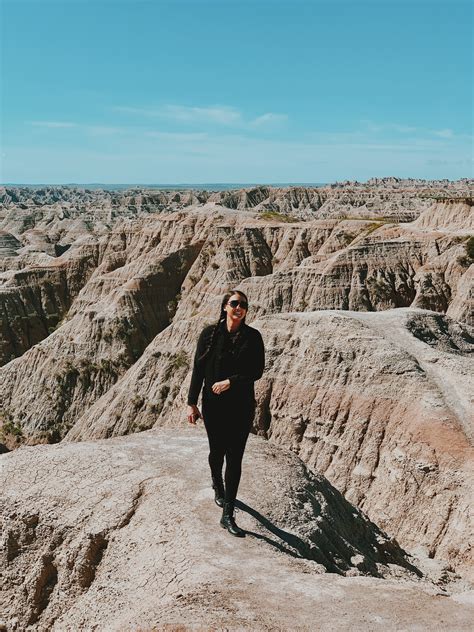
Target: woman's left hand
x: 220, y: 387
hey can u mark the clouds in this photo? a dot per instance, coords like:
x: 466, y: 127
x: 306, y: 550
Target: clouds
x: 220, y: 115
x: 153, y: 156
x: 172, y: 122
x: 223, y: 143
x: 210, y: 115
x: 444, y: 133
x: 53, y: 124
x: 398, y: 129
x: 268, y: 119
x: 90, y: 129
x: 200, y: 123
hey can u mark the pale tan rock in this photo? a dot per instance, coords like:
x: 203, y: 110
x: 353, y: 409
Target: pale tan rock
x: 388, y: 410
x: 352, y: 264
x: 35, y: 299
x: 450, y: 214
x: 82, y: 359
x: 462, y: 306
x: 382, y: 405
x: 379, y: 402
x: 9, y: 245
x: 125, y: 536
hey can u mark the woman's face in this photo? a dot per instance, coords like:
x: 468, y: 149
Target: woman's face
x: 236, y: 314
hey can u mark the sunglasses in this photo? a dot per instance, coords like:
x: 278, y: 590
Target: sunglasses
x: 234, y: 304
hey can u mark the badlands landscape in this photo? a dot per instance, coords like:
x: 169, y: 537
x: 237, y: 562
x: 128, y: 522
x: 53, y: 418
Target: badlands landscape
x: 357, y: 486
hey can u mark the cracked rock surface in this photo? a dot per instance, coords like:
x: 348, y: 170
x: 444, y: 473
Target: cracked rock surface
x: 380, y: 403
x: 123, y: 535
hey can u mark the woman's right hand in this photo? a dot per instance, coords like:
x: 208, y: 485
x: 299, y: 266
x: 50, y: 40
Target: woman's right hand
x: 193, y: 414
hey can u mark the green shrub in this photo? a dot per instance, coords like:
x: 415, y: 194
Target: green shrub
x: 10, y: 429
x: 179, y: 360
x: 469, y: 247
x: 464, y: 261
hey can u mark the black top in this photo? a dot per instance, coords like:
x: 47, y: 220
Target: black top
x: 238, y: 356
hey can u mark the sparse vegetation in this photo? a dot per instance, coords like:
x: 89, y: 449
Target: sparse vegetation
x: 171, y: 306
x: 70, y: 370
x: 373, y: 226
x: 137, y: 401
x: 179, y: 360
x: 279, y: 217
x: 9, y: 430
x: 124, y: 329
x: 469, y: 247
x: 347, y: 238
x: 466, y: 260
x: 164, y: 391
x: 140, y: 427
x: 379, y: 288
x: 108, y: 366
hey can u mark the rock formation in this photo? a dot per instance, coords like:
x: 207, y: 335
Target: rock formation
x: 384, y: 411
x: 363, y: 294
x: 126, y: 536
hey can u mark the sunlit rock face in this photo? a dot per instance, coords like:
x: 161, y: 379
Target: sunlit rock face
x: 143, y: 502
x: 363, y: 294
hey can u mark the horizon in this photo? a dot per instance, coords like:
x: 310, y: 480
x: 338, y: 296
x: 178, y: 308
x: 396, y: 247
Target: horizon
x: 303, y: 92
x: 212, y: 186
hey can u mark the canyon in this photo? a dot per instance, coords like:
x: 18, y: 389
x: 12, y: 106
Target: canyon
x: 363, y: 293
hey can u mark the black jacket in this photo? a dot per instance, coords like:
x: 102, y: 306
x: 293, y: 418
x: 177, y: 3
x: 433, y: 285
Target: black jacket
x: 242, y: 363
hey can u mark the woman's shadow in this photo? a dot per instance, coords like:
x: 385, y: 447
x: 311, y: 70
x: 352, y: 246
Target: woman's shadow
x: 296, y: 547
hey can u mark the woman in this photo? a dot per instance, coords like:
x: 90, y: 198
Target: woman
x: 229, y: 357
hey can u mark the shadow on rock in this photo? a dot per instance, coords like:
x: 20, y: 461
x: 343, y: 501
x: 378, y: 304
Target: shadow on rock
x: 335, y: 553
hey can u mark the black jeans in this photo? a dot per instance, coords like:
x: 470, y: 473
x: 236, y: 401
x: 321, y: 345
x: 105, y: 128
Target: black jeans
x: 228, y: 426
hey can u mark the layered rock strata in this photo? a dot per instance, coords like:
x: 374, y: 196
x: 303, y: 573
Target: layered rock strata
x: 380, y: 403
x: 175, y: 266
x: 395, y: 198
x: 126, y: 535
x: 343, y: 264
x: 101, y: 305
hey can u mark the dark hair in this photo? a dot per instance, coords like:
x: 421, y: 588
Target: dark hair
x: 222, y: 318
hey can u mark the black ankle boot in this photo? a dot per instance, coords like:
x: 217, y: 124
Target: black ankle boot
x: 228, y: 522
x: 219, y: 491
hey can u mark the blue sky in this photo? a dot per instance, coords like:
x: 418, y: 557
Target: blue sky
x: 129, y: 91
